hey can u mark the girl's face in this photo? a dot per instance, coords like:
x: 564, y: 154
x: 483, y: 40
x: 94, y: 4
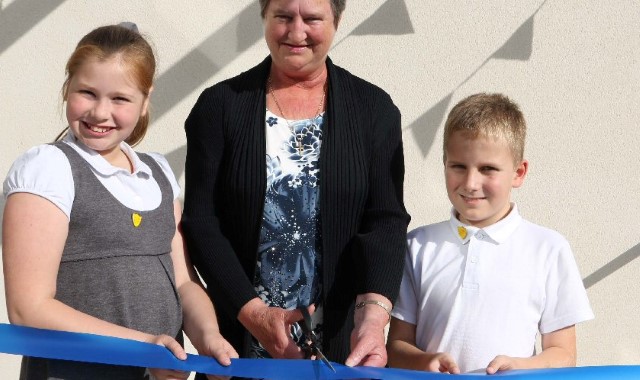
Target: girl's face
x: 104, y: 105
x: 299, y: 34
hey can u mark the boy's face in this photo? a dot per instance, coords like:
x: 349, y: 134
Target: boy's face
x: 480, y: 174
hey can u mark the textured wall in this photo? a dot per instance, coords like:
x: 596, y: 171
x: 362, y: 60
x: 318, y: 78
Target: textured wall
x: 572, y: 65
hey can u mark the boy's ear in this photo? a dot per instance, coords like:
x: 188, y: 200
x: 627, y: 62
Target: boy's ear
x: 521, y: 171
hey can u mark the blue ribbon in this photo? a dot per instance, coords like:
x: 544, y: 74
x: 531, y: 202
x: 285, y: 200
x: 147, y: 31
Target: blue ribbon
x: 91, y: 348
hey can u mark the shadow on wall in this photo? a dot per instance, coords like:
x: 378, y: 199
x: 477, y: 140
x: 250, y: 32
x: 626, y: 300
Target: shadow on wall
x: 20, y: 16
x: 518, y: 47
x: 217, y: 51
x: 612, y: 266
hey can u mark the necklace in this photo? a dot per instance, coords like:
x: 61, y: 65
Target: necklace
x: 297, y: 136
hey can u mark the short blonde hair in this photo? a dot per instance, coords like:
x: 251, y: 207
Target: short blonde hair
x: 488, y: 115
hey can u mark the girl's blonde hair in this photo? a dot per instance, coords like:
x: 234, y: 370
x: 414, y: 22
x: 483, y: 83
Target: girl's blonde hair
x: 124, y: 42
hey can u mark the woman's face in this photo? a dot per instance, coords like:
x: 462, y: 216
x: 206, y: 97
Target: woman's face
x: 299, y: 34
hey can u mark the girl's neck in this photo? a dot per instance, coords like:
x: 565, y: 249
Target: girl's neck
x: 119, y: 159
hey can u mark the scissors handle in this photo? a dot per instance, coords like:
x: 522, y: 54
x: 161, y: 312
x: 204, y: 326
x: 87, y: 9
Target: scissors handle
x: 313, y: 345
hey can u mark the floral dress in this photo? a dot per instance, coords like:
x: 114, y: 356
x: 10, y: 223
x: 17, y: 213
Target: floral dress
x: 288, y: 269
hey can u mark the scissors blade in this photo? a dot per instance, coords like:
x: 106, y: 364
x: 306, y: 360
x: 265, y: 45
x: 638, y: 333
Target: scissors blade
x: 326, y: 361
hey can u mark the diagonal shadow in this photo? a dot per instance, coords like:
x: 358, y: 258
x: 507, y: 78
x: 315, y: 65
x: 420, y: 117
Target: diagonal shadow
x: 518, y: 47
x: 217, y: 51
x: 176, y: 159
x: 392, y: 18
x: 20, y: 16
x: 612, y: 266
x: 425, y: 127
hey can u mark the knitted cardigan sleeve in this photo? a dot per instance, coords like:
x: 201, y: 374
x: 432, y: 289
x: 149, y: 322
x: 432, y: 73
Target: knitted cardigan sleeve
x: 210, y: 249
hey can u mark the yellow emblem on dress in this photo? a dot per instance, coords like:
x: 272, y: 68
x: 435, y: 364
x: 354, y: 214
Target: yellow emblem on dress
x: 462, y: 232
x: 136, y: 219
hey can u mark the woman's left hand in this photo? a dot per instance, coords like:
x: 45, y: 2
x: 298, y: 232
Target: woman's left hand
x: 367, y: 338
x: 367, y: 345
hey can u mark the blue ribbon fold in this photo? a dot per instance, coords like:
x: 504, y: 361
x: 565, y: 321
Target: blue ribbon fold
x: 49, y: 344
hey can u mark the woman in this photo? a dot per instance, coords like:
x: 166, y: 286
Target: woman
x: 293, y: 196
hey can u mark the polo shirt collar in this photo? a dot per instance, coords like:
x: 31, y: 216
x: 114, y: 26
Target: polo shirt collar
x: 102, y: 166
x: 498, y: 232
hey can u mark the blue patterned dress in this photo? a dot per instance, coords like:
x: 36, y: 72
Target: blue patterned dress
x: 288, y: 269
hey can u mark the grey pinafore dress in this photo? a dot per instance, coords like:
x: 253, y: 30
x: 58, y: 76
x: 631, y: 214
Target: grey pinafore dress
x: 113, y: 270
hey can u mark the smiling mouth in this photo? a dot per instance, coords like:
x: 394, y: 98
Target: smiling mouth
x: 471, y: 199
x: 96, y: 128
x: 295, y: 46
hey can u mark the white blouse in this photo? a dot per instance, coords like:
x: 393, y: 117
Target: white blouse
x: 44, y: 170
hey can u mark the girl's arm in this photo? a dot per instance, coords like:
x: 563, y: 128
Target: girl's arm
x: 558, y: 350
x: 403, y: 352
x: 199, y: 317
x: 33, y: 237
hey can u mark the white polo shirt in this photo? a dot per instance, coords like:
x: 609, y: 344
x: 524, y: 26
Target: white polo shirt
x: 44, y: 170
x: 478, y: 293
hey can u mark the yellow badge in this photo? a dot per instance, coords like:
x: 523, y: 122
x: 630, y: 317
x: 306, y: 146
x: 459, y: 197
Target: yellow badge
x: 136, y: 218
x: 462, y: 232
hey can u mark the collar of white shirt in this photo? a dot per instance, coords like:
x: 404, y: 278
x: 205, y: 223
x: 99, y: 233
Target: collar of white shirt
x: 498, y: 232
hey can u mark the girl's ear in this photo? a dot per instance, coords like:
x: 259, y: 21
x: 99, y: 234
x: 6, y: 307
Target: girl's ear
x: 145, y: 103
x: 521, y: 172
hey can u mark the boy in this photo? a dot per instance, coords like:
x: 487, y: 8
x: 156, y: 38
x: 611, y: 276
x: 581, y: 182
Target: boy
x: 479, y: 287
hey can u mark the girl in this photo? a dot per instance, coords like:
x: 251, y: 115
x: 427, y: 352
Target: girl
x: 91, y: 238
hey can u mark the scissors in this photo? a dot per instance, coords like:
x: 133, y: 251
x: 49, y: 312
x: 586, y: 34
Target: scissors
x: 311, y: 346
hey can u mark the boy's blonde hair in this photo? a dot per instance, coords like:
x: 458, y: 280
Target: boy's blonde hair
x: 488, y: 115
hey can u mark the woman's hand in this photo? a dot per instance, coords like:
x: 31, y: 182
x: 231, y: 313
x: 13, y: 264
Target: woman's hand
x: 367, y: 338
x: 367, y: 345
x: 272, y: 327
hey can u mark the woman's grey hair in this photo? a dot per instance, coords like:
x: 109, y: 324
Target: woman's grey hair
x: 337, y: 6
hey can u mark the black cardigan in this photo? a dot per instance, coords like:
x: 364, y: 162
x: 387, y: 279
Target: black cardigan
x: 363, y: 218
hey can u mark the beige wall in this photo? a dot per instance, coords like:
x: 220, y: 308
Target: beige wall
x: 571, y: 64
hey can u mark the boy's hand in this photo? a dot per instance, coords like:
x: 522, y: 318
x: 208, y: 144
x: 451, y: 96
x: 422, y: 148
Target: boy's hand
x: 502, y: 363
x: 442, y: 362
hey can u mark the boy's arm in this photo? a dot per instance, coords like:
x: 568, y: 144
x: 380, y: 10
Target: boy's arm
x: 558, y: 350
x: 403, y: 352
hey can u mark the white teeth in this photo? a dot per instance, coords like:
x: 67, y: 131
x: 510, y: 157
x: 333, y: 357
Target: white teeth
x: 98, y: 129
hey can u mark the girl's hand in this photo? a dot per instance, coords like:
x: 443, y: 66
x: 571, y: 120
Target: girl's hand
x: 218, y: 347
x: 176, y: 349
x: 168, y: 374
